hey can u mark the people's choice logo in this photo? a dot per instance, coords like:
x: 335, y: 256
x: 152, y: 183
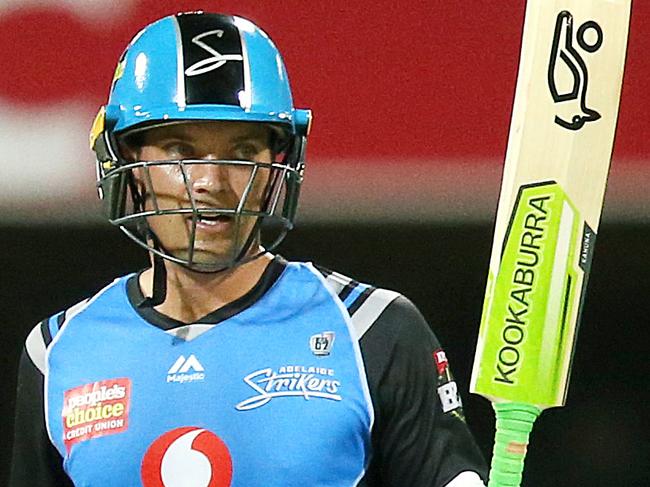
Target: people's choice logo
x: 187, y: 457
x: 96, y: 409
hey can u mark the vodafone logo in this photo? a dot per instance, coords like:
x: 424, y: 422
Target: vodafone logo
x: 187, y: 457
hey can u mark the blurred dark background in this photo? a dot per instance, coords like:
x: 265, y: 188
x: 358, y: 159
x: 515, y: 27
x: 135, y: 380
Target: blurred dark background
x: 600, y: 438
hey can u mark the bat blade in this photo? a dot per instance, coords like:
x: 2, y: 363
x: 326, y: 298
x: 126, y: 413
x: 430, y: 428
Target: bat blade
x: 557, y: 161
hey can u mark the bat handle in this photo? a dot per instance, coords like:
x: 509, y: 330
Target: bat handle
x: 513, y: 426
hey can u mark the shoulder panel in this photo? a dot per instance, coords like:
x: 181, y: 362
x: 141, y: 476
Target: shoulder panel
x: 36, y: 345
x: 373, y: 306
x: 336, y: 282
x: 364, y: 303
x: 82, y: 305
x: 44, y: 332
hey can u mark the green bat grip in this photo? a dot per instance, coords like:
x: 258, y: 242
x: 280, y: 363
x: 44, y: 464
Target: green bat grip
x: 514, y: 424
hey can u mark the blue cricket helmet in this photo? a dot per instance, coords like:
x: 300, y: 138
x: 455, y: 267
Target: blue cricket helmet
x: 200, y: 66
x: 197, y: 66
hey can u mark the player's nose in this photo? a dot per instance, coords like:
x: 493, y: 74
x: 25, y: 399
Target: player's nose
x: 209, y: 177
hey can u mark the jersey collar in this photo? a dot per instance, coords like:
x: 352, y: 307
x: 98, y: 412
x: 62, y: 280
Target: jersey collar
x: 156, y: 318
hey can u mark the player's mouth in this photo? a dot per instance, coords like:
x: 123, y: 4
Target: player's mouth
x: 212, y: 223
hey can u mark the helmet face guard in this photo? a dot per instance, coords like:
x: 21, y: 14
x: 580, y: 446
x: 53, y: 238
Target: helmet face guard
x: 133, y: 202
x: 192, y: 68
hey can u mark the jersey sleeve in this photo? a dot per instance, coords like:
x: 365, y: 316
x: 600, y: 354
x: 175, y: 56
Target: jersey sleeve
x: 35, y: 461
x: 420, y: 437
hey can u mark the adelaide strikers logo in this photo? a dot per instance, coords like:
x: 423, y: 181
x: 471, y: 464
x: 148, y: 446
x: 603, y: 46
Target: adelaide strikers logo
x: 187, y: 457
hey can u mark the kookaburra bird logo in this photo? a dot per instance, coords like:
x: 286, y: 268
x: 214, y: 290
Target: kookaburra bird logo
x: 567, y: 71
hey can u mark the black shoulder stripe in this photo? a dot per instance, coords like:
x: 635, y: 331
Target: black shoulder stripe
x: 45, y: 331
x: 325, y: 272
x: 356, y: 304
x: 36, y: 344
x: 347, y: 290
x: 59, y: 320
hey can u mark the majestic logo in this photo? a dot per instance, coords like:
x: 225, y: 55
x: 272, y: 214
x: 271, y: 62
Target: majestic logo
x: 322, y: 343
x: 187, y: 457
x: 95, y: 409
x: 290, y: 381
x: 186, y: 370
x: 568, y: 74
x: 215, y: 61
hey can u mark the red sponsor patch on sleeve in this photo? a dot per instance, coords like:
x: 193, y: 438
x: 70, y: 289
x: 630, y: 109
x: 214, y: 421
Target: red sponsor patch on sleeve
x: 441, y: 360
x: 96, y: 409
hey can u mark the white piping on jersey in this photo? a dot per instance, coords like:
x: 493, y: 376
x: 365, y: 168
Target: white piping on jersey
x: 337, y: 281
x: 190, y: 332
x: 69, y: 315
x: 35, y: 346
x: 466, y: 479
x: 357, y: 354
x: 370, y: 310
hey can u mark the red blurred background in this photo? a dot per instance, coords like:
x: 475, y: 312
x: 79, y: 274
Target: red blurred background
x: 412, y: 97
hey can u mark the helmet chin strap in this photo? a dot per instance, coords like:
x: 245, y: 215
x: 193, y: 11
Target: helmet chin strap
x: 159, y: 288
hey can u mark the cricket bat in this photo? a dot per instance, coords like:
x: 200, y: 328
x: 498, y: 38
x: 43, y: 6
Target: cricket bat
x: 557, y: 161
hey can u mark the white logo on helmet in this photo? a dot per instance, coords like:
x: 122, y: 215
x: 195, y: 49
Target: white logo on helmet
x: 215, y: 61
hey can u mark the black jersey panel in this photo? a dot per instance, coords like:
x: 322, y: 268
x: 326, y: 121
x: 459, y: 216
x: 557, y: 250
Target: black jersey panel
x: 415, y: 442
x: 45, y: 331
x: 35, y: 461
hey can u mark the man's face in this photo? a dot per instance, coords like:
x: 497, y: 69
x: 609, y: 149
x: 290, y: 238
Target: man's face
x: 218, y: 239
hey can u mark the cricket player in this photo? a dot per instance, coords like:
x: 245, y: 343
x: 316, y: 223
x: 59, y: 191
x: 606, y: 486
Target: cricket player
x: 223, y: 364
